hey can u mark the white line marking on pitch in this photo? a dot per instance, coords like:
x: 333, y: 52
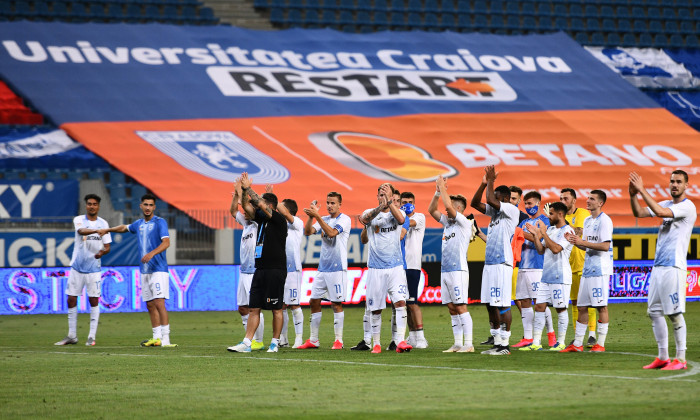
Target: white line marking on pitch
x: 302, y: 158
x: 694, y: 366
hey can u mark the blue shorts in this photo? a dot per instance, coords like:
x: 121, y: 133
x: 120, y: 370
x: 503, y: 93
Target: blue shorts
x: 412, y: 280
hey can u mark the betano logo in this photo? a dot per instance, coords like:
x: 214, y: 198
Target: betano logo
x: 380, y: 157
x: 219, y: 155
x: 362, y: 85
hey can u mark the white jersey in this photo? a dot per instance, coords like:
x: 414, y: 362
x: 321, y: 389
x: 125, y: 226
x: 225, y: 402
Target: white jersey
x: 414, y: 242
x: 557, y: 269
x: 455, y: 242
x: 334, y: 251
x: 248, y: 238
x: 501, y: 230
x: 598, y: 263
x: 86, y: 246
x: 384, y: 233
x: 293, y: 244
x: 674, y: 234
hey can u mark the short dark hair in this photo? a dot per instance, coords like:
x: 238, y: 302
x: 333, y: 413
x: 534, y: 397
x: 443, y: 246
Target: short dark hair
x: 601, y: 195
x: 335, y: 194
x: 559, y: 207
x: 291, y: 205
x: 148, y: 196
x: 94, y: 197
x: 503, y: 190
x: 396, y: 192
x: 516, y: 189
x: 407, y: 194
x: 533, y: 194
x: 569, y: 190
x: 460, y: 198
x: 681, y: 172
x: 270, y: 198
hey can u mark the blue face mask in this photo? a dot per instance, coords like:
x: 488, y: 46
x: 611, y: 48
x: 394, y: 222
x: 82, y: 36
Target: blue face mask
x: 533, y: 210
x: 408, y: 208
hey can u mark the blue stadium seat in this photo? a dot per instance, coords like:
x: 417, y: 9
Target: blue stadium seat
x: 480, y: 22
x: 597, y: 39
x: 668, y: 14
x: 544, y: 9
x: 496, y: 22
x: 431, y: 22
x: 464, y: 22
x: 545, y: 24
x: 349, y: 29
x: 293, y: 4
x: 447, y: 7
x: 311, y: 18
x: 653, y: 13
x: 261, y: 4
x: 496, y: 7
x: 170, y: 14
x: 366, y: 29
x: 577, y: 25
x: 640, y: 26
x: 397, y: 21
x: 582, y: 38
x: 512, y: 9
x: 684, y: 14
x: 328, y: 18
x: 41, y: 9
x: 23, y: 9
x: 152, y: 12
x: 575, y: 10
x: 655, y: 27
x: 480, y: 7
x: 133, y: 12
x: 528, y: 9
x: 560, y: 10
x: 608, y: 25
x: 432, y: 6
x: 624, y: 25
x: 591, y: 11
x: 607, y: 12
x: 448, y: 22
x: 61, y: 10
x: 513, y: 22
x: 312, y: 4
x: 413, y: 6
x: 561, y: 23
x: 464, y: 7
x: 331, y: 5
x: 414, y: 21
x: 380, y: 6
x: 691, y: 41
x: 363, y: 18
x: 346, y: 18
x: 78, y: 12
x: 592, y: 24
x: 348, y: 5
x: 622, y: 12
x: 613, y: 40
x: 363, y: 6
x: 660, y: 40
x: 645, y: 40
x: 380, y: 18
x: 277, y: 16
x: 628, y: 40
x: 687, y: 27
x: 294, y: 18
x: 671, y: 27
x: 397, y: 6
x: 638, y: 13
x: 529, y: 23
x: 676, y: 41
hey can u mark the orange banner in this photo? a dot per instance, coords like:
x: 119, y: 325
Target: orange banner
x: 191, y: 163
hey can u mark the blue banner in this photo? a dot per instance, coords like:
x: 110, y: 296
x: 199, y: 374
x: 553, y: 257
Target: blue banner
x: 38, y: 199
x: 192, y: 288
x: 54, y: 249
x: 103, y: 72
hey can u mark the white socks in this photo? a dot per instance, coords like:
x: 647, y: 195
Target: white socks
x: 579, y: 333
x: 548, y: 319
x: 73, y: 322
x: 679, y: 333
x: 528, y: 315
x: 338, y: 322
x: 165, y: 331
x: 465, y: 320
x: 298, y: 319
x: 157, y: 333
x: 315, y: 325
x: 244, y: 319
x: 367, y: 326
x: 538, y: 326
x: 401, y: 319
x: 376, y: 323
x: 457, y: 330
x: 258, y: 336
x: 505, y: 336
x: 658, y: 325
x: 602, y: 333
x: 285, y: 323
x: 562, y: 326
x: 94, y: 320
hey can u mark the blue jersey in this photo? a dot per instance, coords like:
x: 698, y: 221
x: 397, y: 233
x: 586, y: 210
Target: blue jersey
x: 150, y: 235
x: 530, y: 259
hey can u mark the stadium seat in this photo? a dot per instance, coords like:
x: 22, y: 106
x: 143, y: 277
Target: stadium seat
x: 692, y: 41
x: 561, y: 23
x: 312, y: 4
x: 668, y: 14
x: 398, y: 6
x: 638, y: 13
x: 366, y: 29
x: 23, y: 9
x: 152, y: 12
x: 41, y: 9
x: 133, y: 12
x: 431, y: 22
x: 463, y: 22
x: 496, y: 22
x: 622, y: 13
x: 78, y: 12
x: 687, y: 27
x: 397, y: 21
x: 311, y: 18
x: 463, y: 6
x: 331, y: 5
x: 676, y: 41
x: 528, y: 10
x: 628, y: 40
x: 597, y: 39
x: 653, y: 13
x: 609, y: 25
x: 432, y: 6
x: 363, y: 18
x: 544, y: 24
x: 660, y: 40
x: 544, y: 10
x: 364, y: 5
x: 613, y: 40
x: 640, y: 26
x: 592, y: 24
x: 496, y: 7
x: 671, y: 27
x: 448, y: 22
x: 582, y: 38
x: 292, y: 4
x: 529, y: 23
x: 346, y: 18
x: 624, y: 26
x: 480, y: 7
x: 577, y: 25
x: 380, y: 6
x: 261, y: 4
x: 348, y: 5
x: 645, y: 40
x: 447, y: 7
x: 607, y: 12
x: 480, y: 22
x: 513, y: 22
x: 414, y: 21
x: 591, y: 11
x: 349, y: 29
x: 380, y: 18
x: 655, y: 27
x: 328, y: 18
x: 277, y: 16
x: 512, y: 9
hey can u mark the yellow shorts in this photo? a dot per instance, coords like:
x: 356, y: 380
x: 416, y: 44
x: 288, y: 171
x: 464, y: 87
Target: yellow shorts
x: 575, y: 283
x: 515, y: 281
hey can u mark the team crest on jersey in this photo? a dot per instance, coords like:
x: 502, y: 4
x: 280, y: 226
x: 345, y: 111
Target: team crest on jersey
x: 380, y: 157
x: 220, y: 155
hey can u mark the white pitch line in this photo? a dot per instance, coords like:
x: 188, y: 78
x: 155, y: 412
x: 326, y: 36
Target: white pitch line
x: 694, y: 366
x: 302, y: 158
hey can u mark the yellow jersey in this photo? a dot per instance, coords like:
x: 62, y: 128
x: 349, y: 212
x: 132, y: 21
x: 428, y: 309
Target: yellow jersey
x: 577, y: 255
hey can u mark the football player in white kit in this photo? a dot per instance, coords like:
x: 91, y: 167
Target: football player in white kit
x: 247, y: 260
x: 385, y: 274
x: 292, y: 286
x: 454, y: 272
x: 594, y: 288
x: 667, y: 285
x: 332, y: 266
x: 86, y: 268
x: 413, y: 253
x: 497, y: 278
x: 555, y: 285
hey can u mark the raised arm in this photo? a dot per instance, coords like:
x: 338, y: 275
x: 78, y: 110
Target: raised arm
x: 394, y: 208
x: 366, y: 218
x: 117, y: 229
x: 254, y: 201
x: 491, y: 199
x: 478, y: 195
x: 637, y: 183
x: 235, y: 197
x: 442, y: 187
x: 433, y: 206
x: 328, y: 230
x: 309, y: 225
x: 282, y: 209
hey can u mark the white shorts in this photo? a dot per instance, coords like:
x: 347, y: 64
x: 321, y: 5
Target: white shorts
x: 556, y: 295
x: 329, y: 285
x: 667, y: 290
x: 292, y: 288
x: 593, y: 291
x: 243, y: 293
x: 497, y: 285
x: 454, y: 287
x: 528, y: 284
x: 90, y: 281
x: 383, y: 281
x: 155, y: 286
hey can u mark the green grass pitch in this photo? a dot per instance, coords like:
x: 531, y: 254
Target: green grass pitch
x: 200, y: 379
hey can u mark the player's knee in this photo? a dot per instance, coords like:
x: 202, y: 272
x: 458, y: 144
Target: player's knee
x: 677, y: 320
x: 654, y: 313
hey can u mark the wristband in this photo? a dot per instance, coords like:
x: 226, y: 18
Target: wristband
x: 437, y: 193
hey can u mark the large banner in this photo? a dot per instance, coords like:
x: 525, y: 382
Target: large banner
x: 185, y: 110
x: 21, y: 199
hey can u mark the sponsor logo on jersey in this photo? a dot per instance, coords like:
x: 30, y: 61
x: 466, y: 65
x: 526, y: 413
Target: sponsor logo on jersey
x: 362, y: 85
x: 220, y: 155
x: 380, y: 157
